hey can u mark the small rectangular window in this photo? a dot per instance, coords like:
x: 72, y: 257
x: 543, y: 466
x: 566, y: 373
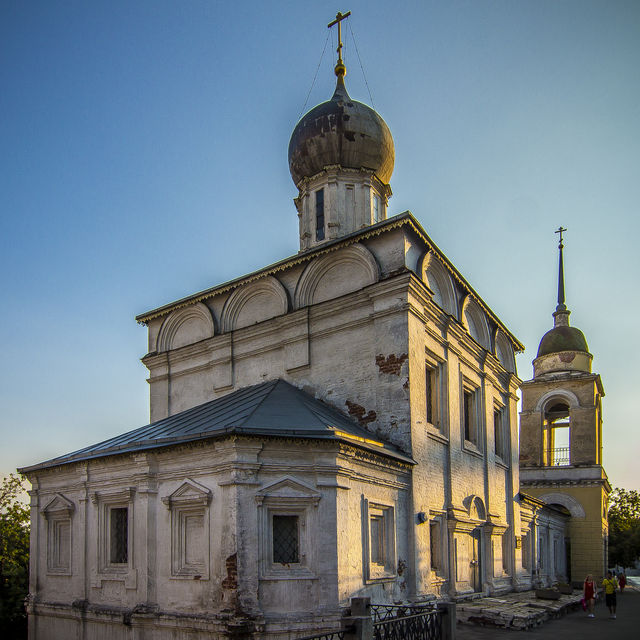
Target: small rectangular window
x: 119, y: 535
x: 377, y: 208
x: 433, y: 395
x: 320, y: 214
x: 498, y: 432
x: 377, y: 539
x: 469, y: 416
x: 434, y: 545
x: 285, y: 540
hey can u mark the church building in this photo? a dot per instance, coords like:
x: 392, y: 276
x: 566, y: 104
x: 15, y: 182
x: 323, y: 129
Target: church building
x: 341, y: 423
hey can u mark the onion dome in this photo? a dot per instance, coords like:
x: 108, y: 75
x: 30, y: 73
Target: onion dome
x: 341, y: 132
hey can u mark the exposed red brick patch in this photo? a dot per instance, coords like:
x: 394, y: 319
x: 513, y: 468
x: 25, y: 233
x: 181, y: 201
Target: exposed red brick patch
x: 391, y: 364
x: 231, y: 581
x: 569, y: 356
x: 360, y: 413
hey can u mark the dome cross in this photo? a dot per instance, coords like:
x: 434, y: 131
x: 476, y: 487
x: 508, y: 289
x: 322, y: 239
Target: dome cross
x: 340, y: 69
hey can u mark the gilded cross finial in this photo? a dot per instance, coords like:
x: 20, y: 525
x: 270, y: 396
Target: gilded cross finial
x: 340, y: 69
x: 560, y: 230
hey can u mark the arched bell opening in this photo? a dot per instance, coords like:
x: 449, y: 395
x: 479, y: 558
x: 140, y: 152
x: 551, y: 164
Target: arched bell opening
x: 556, y: 435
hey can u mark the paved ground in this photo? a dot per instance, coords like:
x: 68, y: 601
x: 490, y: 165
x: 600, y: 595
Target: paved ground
x: 574, y: 625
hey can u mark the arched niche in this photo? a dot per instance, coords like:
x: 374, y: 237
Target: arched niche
x: 568, y: 502
x: 504, y: 351
x: 256, y: 302
x: 437, y: 278
x: 336, y: 274
x: 475, y: 322
x: 185, y: 326
x: 475, y: 507
x: 556, y: 396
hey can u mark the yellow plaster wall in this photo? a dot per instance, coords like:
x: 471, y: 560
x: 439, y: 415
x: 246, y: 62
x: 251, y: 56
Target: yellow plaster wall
x: 587, y: 534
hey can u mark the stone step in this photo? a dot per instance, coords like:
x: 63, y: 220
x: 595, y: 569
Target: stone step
x: 517, y: 611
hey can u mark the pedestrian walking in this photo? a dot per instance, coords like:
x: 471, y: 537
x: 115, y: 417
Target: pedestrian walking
x: 589, y: 595
x: 622, y: 581
x: 610, y: 585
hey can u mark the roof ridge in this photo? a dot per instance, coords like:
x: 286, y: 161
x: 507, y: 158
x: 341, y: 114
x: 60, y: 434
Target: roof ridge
x: 274, y: 384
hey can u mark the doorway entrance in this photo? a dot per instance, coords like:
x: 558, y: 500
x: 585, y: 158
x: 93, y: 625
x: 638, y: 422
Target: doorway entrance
x: 476, y: 559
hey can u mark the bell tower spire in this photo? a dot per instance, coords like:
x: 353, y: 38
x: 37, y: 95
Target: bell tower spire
x: 561, y: 314
x: 561, y: 306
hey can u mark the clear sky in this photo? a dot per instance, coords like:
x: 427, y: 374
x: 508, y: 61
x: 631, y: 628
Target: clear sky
x: 144, y: 157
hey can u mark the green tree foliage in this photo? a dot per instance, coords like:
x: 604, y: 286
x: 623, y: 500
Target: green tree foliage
x: 14, y: 558
x: 624, y: 527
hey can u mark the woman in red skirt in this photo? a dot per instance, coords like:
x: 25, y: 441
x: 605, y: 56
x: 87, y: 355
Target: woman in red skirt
x: 589, y: 593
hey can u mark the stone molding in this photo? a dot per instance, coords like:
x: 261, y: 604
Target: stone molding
x: 474, y: 320
x: 436, y: 277
x: 241, y: 299
x: 565, y: 394
x: 172, y: 324
x: 59, y: 506
x: 503, y: 351
x: 349, y: 257
x: 574, y: 507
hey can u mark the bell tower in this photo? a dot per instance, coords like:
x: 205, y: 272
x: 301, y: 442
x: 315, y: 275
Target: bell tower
x: 561, y: 437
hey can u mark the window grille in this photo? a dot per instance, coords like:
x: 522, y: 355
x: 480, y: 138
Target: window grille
x: 560, y: 456
x: 285, y: 540
x: 119, y: 534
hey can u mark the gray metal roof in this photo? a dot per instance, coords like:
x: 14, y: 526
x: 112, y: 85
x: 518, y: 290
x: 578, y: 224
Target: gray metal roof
x: 274, y: 408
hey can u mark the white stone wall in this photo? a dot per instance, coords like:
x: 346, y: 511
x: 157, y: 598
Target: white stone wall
x: 233, y: 483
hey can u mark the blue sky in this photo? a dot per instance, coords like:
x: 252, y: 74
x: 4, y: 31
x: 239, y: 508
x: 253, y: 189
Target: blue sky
x: 144, y: 157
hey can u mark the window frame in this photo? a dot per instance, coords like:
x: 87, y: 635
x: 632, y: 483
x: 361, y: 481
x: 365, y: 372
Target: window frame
x: 433, y: 393
x: 385, y: 514
x: 59, y: 513
x: 287, y: 497
x: 191, y: 499
x: 105, y: 568
x: 471, y: 421
x: 376, y: 208
x: 500, y: 448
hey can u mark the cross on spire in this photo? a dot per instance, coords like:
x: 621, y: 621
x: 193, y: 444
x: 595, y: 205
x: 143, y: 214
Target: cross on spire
x: 340, y: 69
x: 561, y: 306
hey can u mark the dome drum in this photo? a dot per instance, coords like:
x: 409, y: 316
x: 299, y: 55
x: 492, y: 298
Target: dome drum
x: 562, y: 361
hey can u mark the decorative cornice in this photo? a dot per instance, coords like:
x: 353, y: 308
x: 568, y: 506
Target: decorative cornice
x: 405, y: 220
